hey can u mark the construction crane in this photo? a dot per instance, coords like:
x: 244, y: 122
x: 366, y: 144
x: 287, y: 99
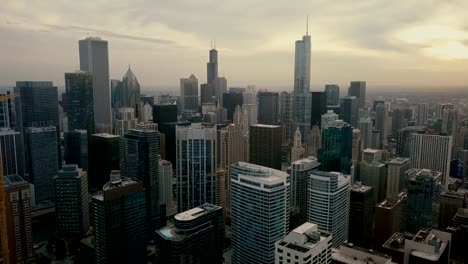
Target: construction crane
x: 3, y: 220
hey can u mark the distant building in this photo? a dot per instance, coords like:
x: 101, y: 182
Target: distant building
x: 333, y: 94
x: 358, y: 89
x: 319, y: 107
x: 328, y: 118
x: 189, y: 94
x: 268, y: 108
x: 129, y: 93
x: 374, y: 174
x: 452, y: 199
x: 348, y: 254
x: 315, y: 142
x: 423, y: 110
x: 361, y: 215
x: 336, y: 151
x: 197, y: 236
x: 72, y: 201
x: 303, y: 245
x: 381, y: 120
x: 297, y: 150
x: 396, y: 176
x: 265, y: 145
x: 254, y: 234
x: 80, y: 101
x: 405, y: 139
x: 286, y: 116
x: 230, y: 101
x: 125, y: 120
x: 365, y: 126
x: 104, y: 156
x: 349, y: 107
x: 164, y: 113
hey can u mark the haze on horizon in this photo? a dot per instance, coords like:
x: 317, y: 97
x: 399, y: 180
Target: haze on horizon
x: 414, y: 43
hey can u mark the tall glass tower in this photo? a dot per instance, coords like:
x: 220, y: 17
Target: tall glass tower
x: 259, y: 212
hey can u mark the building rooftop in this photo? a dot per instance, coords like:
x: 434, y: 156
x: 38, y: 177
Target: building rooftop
x: 373, y: 151
x: 420, y: 174
x: 358, y: 187
x: 119, y: 183
x: 399, y: 161
x: 350, y: 254
x: 388, y: 204
x: 304, y: 238
x: 263, y: 125
x: 259, y: 173
x: 196, y: 212
x: 428, y: 244
x: 13, y: 180
x: 106, y: 135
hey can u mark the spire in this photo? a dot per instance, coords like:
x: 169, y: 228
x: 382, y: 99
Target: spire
x: 307, y: 26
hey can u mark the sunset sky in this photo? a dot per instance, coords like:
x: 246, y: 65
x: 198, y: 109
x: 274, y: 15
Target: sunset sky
x: 403, y: 42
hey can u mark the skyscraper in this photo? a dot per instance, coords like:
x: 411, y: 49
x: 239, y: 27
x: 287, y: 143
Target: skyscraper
x: 166, y: 187
x: 164, y: 113
x: 197, y: 236
x: 42, y: 155
x: 13, y: 159
x: 349, y: 107
x: 374, y: 174
x: 358, y: 89
x: 399, y: 120
x: 423, y: 110
x: 297, y: 150
x: 76, y: 148
x: 94, y: 58
x: 390, y: 217
x: 220, y: 84
x: 80, y: 101
x: 301, y: 94
x: 405, y: 139
x: 328, y: 118
x: 381, y: 120
x: 423, y: 144
x: 396, y: 176
x: 230, y: 101
x: 268, y: 108
x: 139, y: 159
x: 299, y: 172
x: 232, y: 146
x: 257, y: 189
x: 207, y: 93
x: 336, y: 151
x: 129, y: 92
x: 71, y: 201
x: 212, y: 67
x: 365, y: 126
x: 361, y: 215
x: 18, y: 219
x: 104, y: 156
x: 315, y: 142
x: 125, y: 120
x: 265, y: 145
x: 286, y: 116
x: 333, y: 94
x: 189, y: 94
x: 324, y: 187
x: 196, y: 149
x: 424, y: 188
x: 120, y: 230
x: 319, y: 107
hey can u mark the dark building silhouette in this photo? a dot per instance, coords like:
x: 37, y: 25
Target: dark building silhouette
x: 13, y: 159
x: 164, y: 113
x: 336, y: 151
x: 319, y: 107
x: 358, y: 89
x: 268, y: 108
x: 265, y: 146
x: 104, y: 156
x: 361, y: 215
x: 80, y: 101
x: 333, y: 94
x: 230, y: 101
x: 349, y: 109
x: 76, y: 148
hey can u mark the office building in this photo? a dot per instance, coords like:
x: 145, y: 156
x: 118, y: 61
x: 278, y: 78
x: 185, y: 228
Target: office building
x: 356, y: 152
x: 333, y: 217
x: 104, y: 156
x: 423, y: 111
x: 125, y: 120
x: 315, y: 141
x: 129, y: 93
x: 230, y: 101
x: 365, y: 126
x: 80, y: 101
x: 297, y: 150
x: 390, y: 217
x: 349, y: 107
x: 319, y: 107
x: 257, y: 189
x: 13, y: 156
x: 358, y: 89
x: 374, y: 174
x: 265, y: 145
x: 332, y: 92
x: 399, y: 120
x: 299, y: 173
x: 212, y: 66
x: 115, y: 94
x: 207, y: 93
x: 71, y: 201
x: 268, y: 104
x: 405, y: 139
x: 305, y: 244
x: 164, y: 113
x: 76, y: 148
x: 422, y: 144
x: 396, y: 176
x: 18, y: 219
x: 361, y: 215
x: 221, y: 88
x: 147, y: 126
x: 328, y: 118
x: 381, y: 120
x: 146, y: 113
x: 232, y: 143
x: 451, y: 200
x: 94, y: 58
x: 286, y: 116
x: 301, y: 93
x: 450, y: 121
x: 370, y: 155
x: 41, y: 143
x: 196, y: 149
x: 349, y: 254
x: 197, y: 236
x: 120, y: 231
x: 139, y: 159
x: 189, y: 94
x: 166, y: 187
x: 423, y: 188
x: 336, y: 151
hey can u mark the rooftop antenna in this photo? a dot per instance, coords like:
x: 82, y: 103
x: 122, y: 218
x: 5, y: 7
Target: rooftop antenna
x: 211, y: 44
x: 215, y: 44
x: 307, y: 26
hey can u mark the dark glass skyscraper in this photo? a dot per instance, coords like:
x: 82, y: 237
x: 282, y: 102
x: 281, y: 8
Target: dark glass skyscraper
x: 212, y: 67
x: 129, y: 92
x: 319, y: 107
x: 80, y: 101
x: 230, y: 101
x: 104, y: 156
x: 301, y: 94
x: 349, y: 110
x: 336, y: 151
x: 265, y: 146
x: 76, y: 148
x: 164, y: 113
x: 361, y: 215
x: 13, y: 159
x: 139, y: 159
x: 268, y: 108
x: 358, y: 89
x: 333, y: 94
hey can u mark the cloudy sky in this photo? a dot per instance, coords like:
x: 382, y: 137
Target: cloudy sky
x: 386, y: 43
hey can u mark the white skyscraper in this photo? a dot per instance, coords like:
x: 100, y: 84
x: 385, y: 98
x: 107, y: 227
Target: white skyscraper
x: 330, y: 217
x: 189, y: 94
x: 166, y: 184
x: 259, y: 212
x: 125, y: 120
x: 94, y: 58
x: 432, y: 152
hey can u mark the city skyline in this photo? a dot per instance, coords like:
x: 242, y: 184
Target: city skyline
x: 399, y: 42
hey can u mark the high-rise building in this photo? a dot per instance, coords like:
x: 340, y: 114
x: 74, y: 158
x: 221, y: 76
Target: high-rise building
x: 423, y: 110
x: 450, y: 121
x: 328, y: 118
x: 371, y: 155
x: 220, y: 88
x: 451, y: 200
x: 381, y: 120
x: 196, y: 149
x: 230, y: 101
x: 125, y: 120
x: 301, y: 94
x: 299, y: 173
x: 41, y: 143
x: 268, y: 108
x: 120, y: 231
x: 164, y: 113
x: 139, y: 159
x: 80, y: 101
x: 356, y: 155
x: 319, y: 107
x: 336, y: 151
x: 422, y: 144
x: 207, y: 93
x: 390, y: 217
x: 129, y: 93
x: 315, y: 141
x: 405, y: 138
x: 76, y: 148
x: 189, y: 94
x: 399, y: 120
x: 358, y: 89
x: 349, y: 254
x: 232, y: 146
x: 349, y: 107
x: 303, y: 245
x: 13, y: 159
x: 365, y: 126
x: 71, y: 201
x: 286, y: 116
x: 333, y: 94
x: 297, y: 150
x: 212, y: 67
x: 257, y: 189
x: 94, y: 58
x: 424, y: 188
x: 18, y: 219
x: 104, y: 156
x: 324, y: 187
x: 396, y: 176
x: 374, y: 174
x: 166, y: 187
x: 197, y: 236
x: 361, y: 215
x: 265, y: 145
